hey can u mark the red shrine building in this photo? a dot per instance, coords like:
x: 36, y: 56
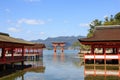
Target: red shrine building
x: 13, y: 50
x: 104, y: 45
x: 34, y: 52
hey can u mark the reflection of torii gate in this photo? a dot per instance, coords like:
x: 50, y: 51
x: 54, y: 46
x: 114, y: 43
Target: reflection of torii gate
x: 61, y: 44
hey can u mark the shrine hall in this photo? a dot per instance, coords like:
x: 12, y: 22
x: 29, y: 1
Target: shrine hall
x: 104, y: 45
x: 13, y: 50
x: 34, y: 52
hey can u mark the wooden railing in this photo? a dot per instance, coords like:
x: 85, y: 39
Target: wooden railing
x: 102, y: 56
x: 10, y: 59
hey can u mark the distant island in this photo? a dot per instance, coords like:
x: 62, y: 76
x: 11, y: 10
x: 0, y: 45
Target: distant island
x: 69, y: 40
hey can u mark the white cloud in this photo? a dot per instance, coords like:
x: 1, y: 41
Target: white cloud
x: 42, y: 33
x: 12, y: 29
x: 105, y: 16
x: 30, y: 21
x: 84, y: 24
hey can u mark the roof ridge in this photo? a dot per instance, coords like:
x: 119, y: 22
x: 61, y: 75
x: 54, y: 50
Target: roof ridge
x: 107, y: 27
x: 4, y: 34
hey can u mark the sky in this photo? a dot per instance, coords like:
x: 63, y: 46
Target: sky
x: 40, y: 19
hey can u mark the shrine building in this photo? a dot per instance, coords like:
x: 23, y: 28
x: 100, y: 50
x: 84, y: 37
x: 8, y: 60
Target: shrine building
x: 104, y: 45
x: 13, y: 50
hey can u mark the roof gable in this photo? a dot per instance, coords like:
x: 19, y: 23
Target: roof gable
x: 6, y: 38
x: 105, y: 33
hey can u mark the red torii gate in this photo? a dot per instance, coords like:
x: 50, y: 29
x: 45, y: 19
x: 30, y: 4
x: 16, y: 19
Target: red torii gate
x: 61, y: 44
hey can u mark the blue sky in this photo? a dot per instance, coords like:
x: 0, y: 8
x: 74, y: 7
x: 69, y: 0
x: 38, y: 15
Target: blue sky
x: 40, y: 19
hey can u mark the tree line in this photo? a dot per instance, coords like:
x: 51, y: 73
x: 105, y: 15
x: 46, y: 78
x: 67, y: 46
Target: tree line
x: 112, y: 20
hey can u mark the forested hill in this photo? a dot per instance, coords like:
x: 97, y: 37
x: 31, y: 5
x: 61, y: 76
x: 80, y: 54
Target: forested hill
x: 69, y: 40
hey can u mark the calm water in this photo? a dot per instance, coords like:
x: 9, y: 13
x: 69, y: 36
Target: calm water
x: 64, y: 67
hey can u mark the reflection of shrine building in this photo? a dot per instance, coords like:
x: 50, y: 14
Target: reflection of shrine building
x: 101, y: 72
x: 37, y: 67
x: 104, y: 46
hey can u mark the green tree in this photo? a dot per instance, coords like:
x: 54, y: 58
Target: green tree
x: 112, y: 20
x: 117, y: 18
x: 109, y: 21
x: 94, y: 23
x: 76, y: 44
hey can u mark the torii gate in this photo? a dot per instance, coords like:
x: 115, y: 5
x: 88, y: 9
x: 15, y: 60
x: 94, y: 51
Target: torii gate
x: 61, y: 44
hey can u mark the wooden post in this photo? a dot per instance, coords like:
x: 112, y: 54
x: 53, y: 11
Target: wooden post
x: 55, y: 48
x: 4, y: 58
x: 23, y: 51
x: 92, y: 52
x: 12, y: 64
x: 118, y: 59
x: 12, y: 51
x: 104, y: 52
x: 3, y: 54
x: 62, y: 49
x: 4, y: 66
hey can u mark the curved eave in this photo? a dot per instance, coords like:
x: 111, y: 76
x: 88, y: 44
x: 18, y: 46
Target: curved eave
x: 103, y: 42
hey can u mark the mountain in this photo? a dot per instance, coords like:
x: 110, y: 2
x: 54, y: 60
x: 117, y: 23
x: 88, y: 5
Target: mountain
x: 69, y: 40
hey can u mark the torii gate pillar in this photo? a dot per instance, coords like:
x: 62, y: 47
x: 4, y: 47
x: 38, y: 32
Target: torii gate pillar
x: 61, y: 44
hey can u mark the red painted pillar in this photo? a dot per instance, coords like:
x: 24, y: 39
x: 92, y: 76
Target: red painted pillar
x: 62, y: 47
x: 92, y: 52
x: 3, y: 57
x: 12, y: 51
x: 33, y: 51
x: 23, y: 52
x: 55, y: 47
x: 104, y: 52
x: 3, y: 54
x: 118, y: 59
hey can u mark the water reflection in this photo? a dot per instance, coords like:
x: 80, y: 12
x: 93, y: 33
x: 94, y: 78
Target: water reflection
x: 37, y: 67
x: 58, y: 66
x: 101, y: 72
x: 61, y: 56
